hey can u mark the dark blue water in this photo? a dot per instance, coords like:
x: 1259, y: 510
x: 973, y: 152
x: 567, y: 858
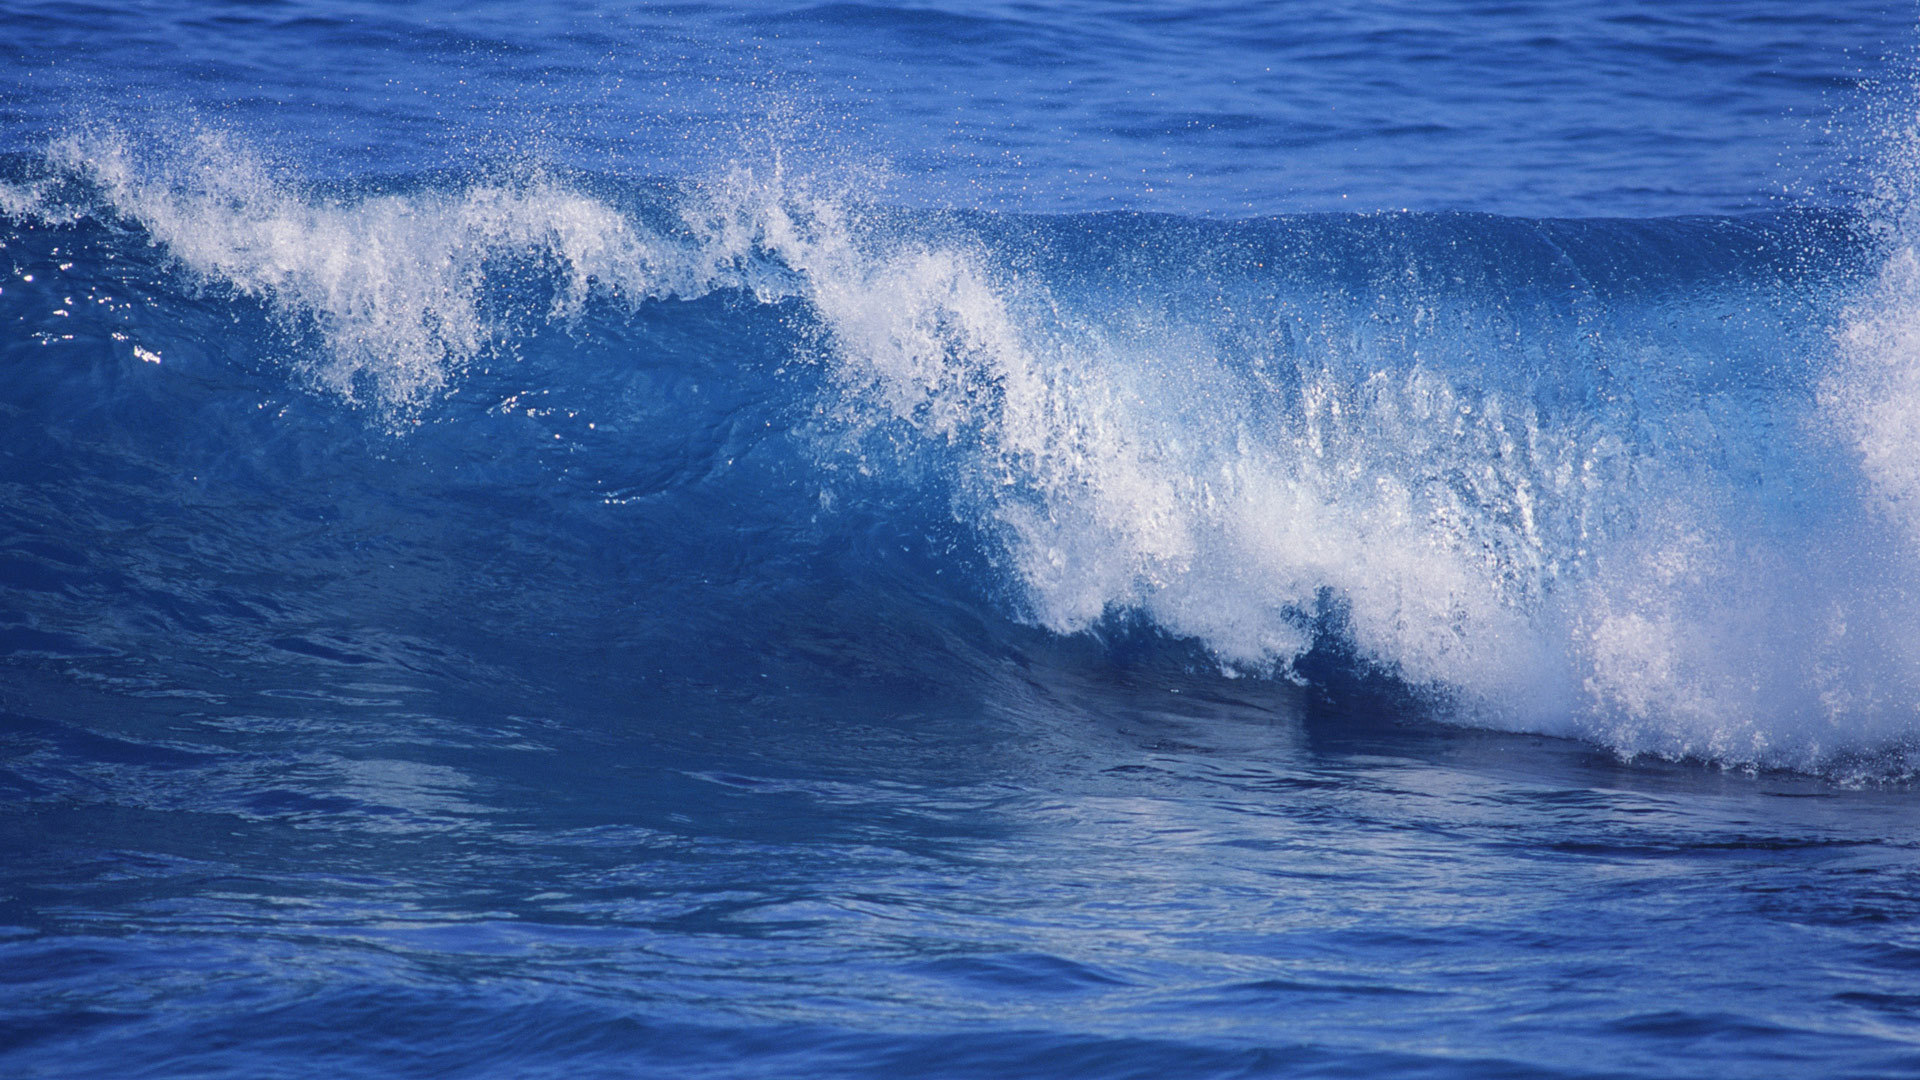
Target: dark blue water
x: 1077, y: 540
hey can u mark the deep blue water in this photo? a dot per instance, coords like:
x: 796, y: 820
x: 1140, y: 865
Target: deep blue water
x: 1006, y: 540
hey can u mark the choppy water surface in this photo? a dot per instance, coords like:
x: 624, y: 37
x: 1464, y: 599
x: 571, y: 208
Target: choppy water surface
x: 1085, y: 540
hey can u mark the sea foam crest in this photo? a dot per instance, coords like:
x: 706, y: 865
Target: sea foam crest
x: 1082, y: 448
x: 1596, y: 571
x: 1680, y: 566
x: 392, y: 284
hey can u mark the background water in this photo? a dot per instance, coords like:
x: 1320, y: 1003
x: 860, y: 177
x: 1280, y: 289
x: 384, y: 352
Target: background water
x: 972, y: 541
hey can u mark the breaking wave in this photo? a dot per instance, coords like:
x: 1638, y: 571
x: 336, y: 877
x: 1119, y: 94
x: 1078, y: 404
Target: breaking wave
x: 1648, y: 483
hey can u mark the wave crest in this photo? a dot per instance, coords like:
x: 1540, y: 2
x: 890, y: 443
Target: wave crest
x: 1611, y: 480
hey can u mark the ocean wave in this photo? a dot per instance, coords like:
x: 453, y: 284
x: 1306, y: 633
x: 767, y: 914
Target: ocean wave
x: 1648, y: 483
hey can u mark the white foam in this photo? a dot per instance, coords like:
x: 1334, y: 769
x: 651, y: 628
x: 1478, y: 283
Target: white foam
x: 391, y: 284
x: 1108, y: 495
x: 1563, y: 573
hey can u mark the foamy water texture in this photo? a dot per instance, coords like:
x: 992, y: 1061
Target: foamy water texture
x: 391, y: 286
x: 1673, y: 511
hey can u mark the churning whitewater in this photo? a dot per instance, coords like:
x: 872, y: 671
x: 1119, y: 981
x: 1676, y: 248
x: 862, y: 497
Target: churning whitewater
x: 1648, y: 483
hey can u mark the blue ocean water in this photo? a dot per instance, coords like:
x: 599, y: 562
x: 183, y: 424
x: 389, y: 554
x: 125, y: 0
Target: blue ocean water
x: 972, y: 541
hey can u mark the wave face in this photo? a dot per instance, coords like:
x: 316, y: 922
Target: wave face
x: 960, y: 541
x: 1647, y: 483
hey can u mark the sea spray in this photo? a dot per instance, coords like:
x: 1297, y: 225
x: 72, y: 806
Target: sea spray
x: 390, y: 285
x: 1543, y: 486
